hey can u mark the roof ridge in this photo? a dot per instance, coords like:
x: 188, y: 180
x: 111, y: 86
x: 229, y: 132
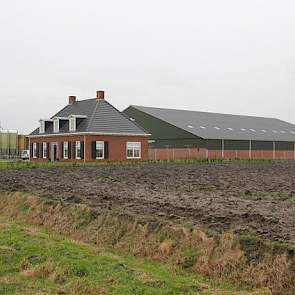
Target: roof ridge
x: 205, y: 112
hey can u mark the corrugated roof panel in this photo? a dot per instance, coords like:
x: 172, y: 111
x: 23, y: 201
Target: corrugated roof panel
x: 224, y: 126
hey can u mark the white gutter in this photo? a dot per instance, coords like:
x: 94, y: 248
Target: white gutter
x: 88, y: 133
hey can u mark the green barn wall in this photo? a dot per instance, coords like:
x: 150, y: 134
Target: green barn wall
x: 214, y: 144
x: 284, y: 146
x: 179, y: 143
x: 262, y: 145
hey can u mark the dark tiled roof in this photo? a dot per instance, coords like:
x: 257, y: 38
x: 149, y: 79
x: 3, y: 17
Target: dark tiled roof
x: 100, y: 117
x: 224, y: 126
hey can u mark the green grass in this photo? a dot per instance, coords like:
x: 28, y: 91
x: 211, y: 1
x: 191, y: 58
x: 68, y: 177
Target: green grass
x: 48, y: 164
x: 36, y: 261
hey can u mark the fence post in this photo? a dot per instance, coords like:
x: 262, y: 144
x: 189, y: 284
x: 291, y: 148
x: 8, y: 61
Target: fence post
x: 168, y: 152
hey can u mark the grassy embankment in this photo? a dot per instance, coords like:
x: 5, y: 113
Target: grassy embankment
x: 177, y: 246
x: 36, y: 261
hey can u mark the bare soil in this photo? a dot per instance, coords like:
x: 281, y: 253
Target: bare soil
x: 247, y: 198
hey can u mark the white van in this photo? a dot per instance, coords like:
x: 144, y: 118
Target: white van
x: 25, y: 155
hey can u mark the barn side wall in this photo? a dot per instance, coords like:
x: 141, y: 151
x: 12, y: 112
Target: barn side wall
x: 227, y: 149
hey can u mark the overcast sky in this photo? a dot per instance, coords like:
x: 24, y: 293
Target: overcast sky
x: 230, y: 56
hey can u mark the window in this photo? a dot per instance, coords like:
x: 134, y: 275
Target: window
x: 243, y: 129
x: 253, y: 130
x: 72, y: 124
x: 78, y: 149
x: 34, y: 150
x: 42, y: 126
x: 45, y: 150
x: 190, y: 126
x: 99, y: 149
x: 230, y: 129
x: 66, y: 150
x: 202, y: 127
x: 56, y: 125
x: 217, y: 128
x: 133, y: 150
x: 263, y: 130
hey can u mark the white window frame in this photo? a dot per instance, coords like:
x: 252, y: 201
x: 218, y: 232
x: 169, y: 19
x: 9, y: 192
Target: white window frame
x: 42, y: 126
x: 78, y: 146
x: 56, y: 125
x: 99, y: 145
x: 66, y: 148
x: 45, y: 150
x: 131, y: 145
x: 72, y: 124
x: 35, y: 150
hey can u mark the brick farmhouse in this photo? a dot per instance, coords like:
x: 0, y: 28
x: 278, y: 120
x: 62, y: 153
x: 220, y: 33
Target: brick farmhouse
x: 88, y: 130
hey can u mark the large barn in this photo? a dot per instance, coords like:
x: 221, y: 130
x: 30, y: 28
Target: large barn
x: 183, y: 134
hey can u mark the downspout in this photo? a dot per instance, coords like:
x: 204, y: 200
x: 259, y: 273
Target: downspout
x: 84, y: 148
x: 222, y: 148
x: 29, y: 148
x: 273, y: 150
x: 250, y: 149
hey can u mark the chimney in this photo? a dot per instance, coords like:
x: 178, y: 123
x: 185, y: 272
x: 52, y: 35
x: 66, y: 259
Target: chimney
x: 100, y: 94
x: 72, y: 99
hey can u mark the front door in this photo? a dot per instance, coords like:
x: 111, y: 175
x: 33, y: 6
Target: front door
x: 53, y: 154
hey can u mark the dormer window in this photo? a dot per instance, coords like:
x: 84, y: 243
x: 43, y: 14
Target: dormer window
x: 56, y: 125
x: 72, y: 124
x: 42, y: 126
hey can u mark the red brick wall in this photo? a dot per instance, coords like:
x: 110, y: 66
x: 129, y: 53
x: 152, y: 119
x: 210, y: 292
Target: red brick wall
x: 176, y: 153
x: 180, y: 153
x: 117, y: 145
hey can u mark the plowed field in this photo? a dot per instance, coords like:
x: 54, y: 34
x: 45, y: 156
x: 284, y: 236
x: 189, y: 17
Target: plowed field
x: 254, y: 198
